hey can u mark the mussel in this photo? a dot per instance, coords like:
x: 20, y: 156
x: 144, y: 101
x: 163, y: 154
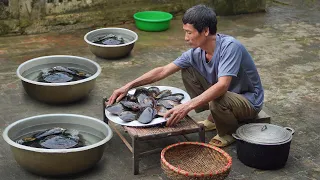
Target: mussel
x: 128, y: 116
x: 69, y: 139
x: 40, y: 135
x: 161, y: 110
x: 177, y: 97
x: 163, y: 94
x: 169, y: 104
x: 153, y: 91
x: 110, y: 39
x: 131, y: 105
x: 147, y: 115
x: 55, y: 138
x: 115, y: 109
x: 60, y: 74
x: 143, y: 98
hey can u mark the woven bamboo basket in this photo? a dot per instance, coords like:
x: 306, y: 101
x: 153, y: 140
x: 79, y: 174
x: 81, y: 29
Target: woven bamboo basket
x: 195, y: 161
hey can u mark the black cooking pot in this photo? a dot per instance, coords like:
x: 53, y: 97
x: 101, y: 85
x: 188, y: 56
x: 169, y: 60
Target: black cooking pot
x: 263, y: 146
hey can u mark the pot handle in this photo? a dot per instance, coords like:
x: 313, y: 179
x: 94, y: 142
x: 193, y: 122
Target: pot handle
x: 290, y: 129
x: 236, y: 136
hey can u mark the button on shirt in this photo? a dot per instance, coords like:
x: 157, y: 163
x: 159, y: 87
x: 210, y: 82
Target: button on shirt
x: 230, y: 58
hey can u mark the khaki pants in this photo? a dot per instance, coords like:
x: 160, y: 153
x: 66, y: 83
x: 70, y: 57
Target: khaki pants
x: 227, y: 110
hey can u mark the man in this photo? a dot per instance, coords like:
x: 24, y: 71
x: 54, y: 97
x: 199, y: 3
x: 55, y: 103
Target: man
x: 218, y: 73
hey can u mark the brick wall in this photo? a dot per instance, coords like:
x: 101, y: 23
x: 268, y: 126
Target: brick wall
x: 38, y: 16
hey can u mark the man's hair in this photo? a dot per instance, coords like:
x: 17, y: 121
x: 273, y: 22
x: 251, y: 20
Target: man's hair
x: 201, y: 17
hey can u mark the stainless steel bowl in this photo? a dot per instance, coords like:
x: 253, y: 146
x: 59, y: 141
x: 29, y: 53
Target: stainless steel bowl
x: 53, y: 162
x: 111, y: 51
x: 58, y: 93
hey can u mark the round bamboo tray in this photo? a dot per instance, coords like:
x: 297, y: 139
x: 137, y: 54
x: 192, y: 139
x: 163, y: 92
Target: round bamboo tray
x: 195, y: 161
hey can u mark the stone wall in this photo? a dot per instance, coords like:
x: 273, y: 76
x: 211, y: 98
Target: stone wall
x: 38, y: 16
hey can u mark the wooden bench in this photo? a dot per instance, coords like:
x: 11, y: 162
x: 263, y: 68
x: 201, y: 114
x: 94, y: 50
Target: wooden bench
x: 262, y: 117
x: 138, y: 135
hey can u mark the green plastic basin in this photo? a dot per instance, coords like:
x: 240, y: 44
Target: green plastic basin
x: 152, y: 20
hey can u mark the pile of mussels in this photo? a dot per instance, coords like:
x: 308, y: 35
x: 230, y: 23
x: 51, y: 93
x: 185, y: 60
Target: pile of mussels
x: 109, y: 39
x: 61, y: 74
x: 145, y: 104
x: 54, y: 138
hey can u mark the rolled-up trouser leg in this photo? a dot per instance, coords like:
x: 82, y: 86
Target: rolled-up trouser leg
x: 195, y: 84
x: 228, y: 110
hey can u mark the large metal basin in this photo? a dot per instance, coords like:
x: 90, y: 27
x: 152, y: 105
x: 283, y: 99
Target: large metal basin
x: 111, y: 51
x: 58, y: 93
x: 54, y: 162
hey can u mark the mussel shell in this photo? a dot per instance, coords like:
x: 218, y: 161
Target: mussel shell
x: 63, y: 69
x: 141, y: 90
x: 146, y: 101
x: 163, y: 94
x: 131, y: 105
x: 161, y: 110
x: 130, y: 97
x: 115, y: 109
x: 169, y: 104
x: 147, y: 115
x: 48, y: 132
x: 112, y: 42
x: 128, y: 116
x: 153, y: 91
x: 57, y: 77
x: 72, y: 71
x: 174, y: 97
x: 80, y: 73
x: 58, y: 142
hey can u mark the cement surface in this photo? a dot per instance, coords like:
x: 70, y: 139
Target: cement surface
x: 284, y: 43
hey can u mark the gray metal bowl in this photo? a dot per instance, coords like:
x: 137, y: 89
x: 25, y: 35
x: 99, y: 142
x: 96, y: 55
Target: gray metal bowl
x: 54, y: 162
x: 58, y: 93
x: 111, y: 51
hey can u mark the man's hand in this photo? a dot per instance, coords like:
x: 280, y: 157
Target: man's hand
x: 177, y: 113
x: 118, y: 94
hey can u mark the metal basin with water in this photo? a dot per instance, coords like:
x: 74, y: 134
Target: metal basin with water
x: 57, y: 93
x: 111, y: 51
x: 54, y: 162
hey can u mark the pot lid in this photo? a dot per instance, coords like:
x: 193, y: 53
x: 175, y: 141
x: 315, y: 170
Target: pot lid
x: 263, y: 133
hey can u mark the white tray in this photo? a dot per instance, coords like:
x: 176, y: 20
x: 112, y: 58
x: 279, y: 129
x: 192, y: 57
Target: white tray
x: 159, y: 120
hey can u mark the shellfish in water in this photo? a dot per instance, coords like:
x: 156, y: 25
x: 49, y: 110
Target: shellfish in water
x: 55, y: 138
x: 60, y: 74
x: 110, y: 39
x: 67, y: 140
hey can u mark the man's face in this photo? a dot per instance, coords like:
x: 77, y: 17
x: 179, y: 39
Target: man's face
x: 193, y: 37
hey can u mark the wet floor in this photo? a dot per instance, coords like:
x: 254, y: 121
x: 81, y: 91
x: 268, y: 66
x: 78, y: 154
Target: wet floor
x: 284, y: 42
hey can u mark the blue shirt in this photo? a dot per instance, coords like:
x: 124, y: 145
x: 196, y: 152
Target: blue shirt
x: 230, y: 58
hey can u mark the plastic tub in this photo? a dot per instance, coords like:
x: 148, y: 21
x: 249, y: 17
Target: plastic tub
x: 152, y: 20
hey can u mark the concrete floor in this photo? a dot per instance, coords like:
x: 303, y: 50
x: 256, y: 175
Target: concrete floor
x: 284, y: 43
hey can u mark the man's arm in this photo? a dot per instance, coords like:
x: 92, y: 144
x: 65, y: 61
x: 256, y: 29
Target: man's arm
x: 152, y: 76
x: 177, y: 113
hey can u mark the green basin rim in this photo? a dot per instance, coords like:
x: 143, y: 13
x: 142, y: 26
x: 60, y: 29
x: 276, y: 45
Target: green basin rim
x: 153, y: 20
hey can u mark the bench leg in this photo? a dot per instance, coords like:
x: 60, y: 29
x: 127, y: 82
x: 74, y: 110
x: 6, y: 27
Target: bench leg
x: 135, y: 156
x: 202, y: 134
x: 105, y: 119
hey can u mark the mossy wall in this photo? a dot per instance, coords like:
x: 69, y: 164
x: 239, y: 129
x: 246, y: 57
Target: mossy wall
x: 38, y: 16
